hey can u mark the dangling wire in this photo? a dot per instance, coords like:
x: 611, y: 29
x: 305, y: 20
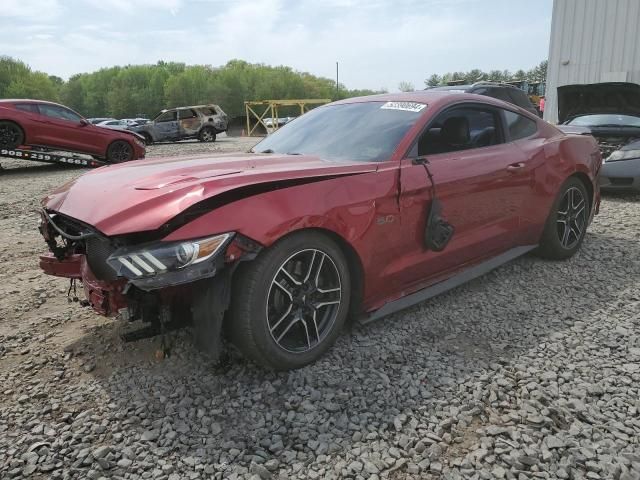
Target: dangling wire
x: 72, y: 287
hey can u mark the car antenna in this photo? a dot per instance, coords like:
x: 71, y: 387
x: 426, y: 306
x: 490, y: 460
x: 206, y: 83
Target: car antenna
x: 437, y: 231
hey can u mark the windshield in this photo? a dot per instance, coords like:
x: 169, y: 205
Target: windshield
x: 367, y: 132
x: 605, y: 120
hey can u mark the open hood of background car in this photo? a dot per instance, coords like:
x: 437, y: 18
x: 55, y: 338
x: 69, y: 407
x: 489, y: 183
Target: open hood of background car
x: 613, y: 97
x: 143, y: 195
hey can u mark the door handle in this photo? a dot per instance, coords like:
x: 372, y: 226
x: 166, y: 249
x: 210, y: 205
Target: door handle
x: 514, y: 167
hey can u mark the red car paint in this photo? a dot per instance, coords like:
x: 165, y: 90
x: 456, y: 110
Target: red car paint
x: 497, y: 197
x: 64, y: 134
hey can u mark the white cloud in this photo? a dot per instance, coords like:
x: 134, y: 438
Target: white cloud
x: 378, y: 43
x: 30, y: 9
x: 139, y: 7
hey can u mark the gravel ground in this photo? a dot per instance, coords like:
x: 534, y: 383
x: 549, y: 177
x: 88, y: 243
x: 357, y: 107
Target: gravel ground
x: 532, y: 371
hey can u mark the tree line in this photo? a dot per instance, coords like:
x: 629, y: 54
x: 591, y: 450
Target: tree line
x: 536, y: 74
x: 128, y: 91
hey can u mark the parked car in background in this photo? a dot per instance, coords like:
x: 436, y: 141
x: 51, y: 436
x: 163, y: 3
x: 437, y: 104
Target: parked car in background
x: 611, y: 113
x: 53, y: 126
x: 98, y: 120
x: 501, y: 91
x: 203, y: 122
x: 115, y: 124
x: 270, y: 122
x: 361, y: 207
x: 133, y: 122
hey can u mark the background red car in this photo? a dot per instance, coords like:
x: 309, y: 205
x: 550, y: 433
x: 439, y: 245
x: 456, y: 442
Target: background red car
x: 46, y: 124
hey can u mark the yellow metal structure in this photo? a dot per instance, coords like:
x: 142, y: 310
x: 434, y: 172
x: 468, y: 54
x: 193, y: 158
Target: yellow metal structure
x: 254, y: 119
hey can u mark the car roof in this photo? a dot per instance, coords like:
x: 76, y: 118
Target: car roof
x: 190, y: 106
x: 29, y: 100
x: 451, y: 87
x: 475, y: 85
x: 435, y: 99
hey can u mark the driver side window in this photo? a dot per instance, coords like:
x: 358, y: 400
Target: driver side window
x: 461, y: 128
x: 54, y: 111
x: 167, y: 117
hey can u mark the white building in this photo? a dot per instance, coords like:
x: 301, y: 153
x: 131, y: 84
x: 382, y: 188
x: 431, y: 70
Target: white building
x: 592, y: 41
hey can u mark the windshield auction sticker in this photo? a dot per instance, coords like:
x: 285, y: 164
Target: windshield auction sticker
x: 406, y: 106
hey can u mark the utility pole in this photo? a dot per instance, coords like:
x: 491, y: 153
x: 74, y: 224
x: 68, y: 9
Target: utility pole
x: 337, y: 84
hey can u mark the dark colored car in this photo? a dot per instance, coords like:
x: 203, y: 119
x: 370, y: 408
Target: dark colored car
x: 611, y: 113
x: 501, y: 91
x: 202, y: 122
x: 358, y: 208
x: 38, y: 123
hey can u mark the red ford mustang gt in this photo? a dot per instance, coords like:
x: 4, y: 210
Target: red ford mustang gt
x: 358, y: 208
x: 46, y: 124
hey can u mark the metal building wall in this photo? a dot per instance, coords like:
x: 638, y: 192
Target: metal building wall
x: 592, y: 41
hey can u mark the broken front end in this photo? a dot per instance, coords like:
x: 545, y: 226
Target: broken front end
x: 164, y: 284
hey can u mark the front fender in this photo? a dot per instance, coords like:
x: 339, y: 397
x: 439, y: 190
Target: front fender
x: 340, y: 205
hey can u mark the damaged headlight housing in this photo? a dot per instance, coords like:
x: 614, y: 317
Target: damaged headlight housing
x: 164, y: 264
x: 623, y: 155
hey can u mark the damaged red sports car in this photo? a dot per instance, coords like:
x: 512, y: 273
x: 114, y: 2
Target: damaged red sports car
x: 356, y: 209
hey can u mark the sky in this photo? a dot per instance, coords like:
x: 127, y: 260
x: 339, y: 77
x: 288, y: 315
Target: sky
x: 378, y: 43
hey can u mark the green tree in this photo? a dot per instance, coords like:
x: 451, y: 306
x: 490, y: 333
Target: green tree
x: 433, y: 81
x: 36, y: 85
x: 406, y: 87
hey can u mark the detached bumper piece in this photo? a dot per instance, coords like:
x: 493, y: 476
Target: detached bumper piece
x: 106, y: 298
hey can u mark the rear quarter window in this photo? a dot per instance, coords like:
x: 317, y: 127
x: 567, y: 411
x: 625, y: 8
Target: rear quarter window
x: 519, y: 126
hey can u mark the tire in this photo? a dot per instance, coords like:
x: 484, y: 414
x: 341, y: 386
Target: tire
x: 119, y: 151
x: 265, y: 290
x: 567, y: 223
x: 207, y: 134
x: 11, y: 135
x: 148, y: 140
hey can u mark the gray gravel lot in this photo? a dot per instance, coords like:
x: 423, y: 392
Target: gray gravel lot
x: 532, y: 371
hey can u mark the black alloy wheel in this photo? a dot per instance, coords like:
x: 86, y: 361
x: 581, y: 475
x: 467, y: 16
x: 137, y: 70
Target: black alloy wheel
x: 11, y: 136
x: 119, y: 151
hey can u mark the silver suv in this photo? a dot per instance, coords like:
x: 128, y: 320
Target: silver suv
x: 203, y: 122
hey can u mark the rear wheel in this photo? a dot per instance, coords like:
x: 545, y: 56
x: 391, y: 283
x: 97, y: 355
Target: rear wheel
x: 290, y: 303
x: 207, y: 134
x: 567, y: 223
x: 119, y: 151
x: 11, y: 135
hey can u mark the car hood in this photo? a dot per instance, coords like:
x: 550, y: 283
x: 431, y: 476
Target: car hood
x: 144, y: 195
x: 612, y: 97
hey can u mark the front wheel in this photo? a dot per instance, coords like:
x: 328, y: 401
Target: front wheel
x: 207, y: 134
x: 567, y: 222
x: 119, y: 151
x: 11, y: 135
x: 289, y: 304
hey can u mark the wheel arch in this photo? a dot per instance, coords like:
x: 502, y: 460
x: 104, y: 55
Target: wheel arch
x: 354, y: 262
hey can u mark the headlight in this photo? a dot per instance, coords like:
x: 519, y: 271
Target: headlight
x: 623, y: 155
x: 163, y: 264
x: 138, y: 142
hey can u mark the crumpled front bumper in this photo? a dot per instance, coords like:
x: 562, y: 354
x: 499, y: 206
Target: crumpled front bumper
x: 106, y: 298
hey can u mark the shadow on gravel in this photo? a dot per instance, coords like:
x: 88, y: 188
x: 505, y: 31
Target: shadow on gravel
x: 438, y: 354
x: 621, y: 196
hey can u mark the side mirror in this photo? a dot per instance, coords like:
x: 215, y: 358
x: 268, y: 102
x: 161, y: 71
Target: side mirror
x: 83, y: 122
